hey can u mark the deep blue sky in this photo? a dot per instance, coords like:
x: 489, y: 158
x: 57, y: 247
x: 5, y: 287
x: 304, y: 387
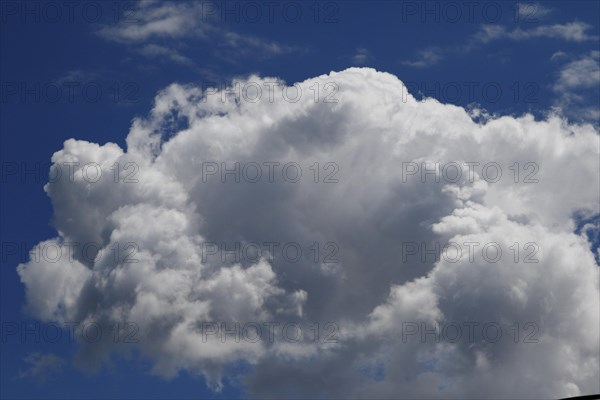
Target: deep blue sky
x: 382, y: 35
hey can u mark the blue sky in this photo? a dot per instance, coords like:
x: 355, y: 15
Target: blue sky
x: 502, y: 57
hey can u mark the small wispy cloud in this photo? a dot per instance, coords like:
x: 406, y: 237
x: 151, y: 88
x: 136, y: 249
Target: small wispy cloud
x: 577, y: 81
x: 241, y: 42
x: 580, y: 74
x: 361, y: 57
x: 42, y: 366
x: 573, y: 32
x: 155, y: 51
x: 531, y: 12
x: 427, y: 57
x: 153, y: 20
x: 77, y: 75
x: 558, y: 55
x: 157, y: 30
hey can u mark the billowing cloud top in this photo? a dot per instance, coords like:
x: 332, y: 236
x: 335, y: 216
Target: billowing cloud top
x: 171, y: 199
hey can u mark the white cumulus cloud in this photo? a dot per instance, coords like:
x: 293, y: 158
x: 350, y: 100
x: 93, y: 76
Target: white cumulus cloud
x: 369, y: 128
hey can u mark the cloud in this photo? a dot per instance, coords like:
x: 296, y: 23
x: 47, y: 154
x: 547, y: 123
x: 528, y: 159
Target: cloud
x: 252, y: 43
x: 505, y: 292
x: 577, y: 82
x: 558, y: 55
x: 42, y: 366
x: 531, y: 12
x: 76, y: 76
x: 152, y: 20
x: 581, y: 73
x: 156, y: 51
x: 368, y: 132
x: 427, y: 57
x: 155, y: 28
x: 361, y: 57
x: 572, y: 31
